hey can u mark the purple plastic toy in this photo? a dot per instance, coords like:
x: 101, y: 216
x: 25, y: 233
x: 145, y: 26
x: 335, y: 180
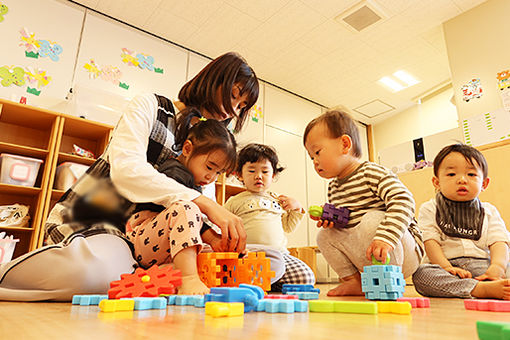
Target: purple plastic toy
x: 340, y: 216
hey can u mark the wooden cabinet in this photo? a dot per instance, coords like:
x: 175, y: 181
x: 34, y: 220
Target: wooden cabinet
x: 48, y: 136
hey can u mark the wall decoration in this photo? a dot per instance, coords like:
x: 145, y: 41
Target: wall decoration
x: 256, y: 113
x: 473, y: 89
x: 486, y: 128
x: 141, y: 60
x: 3, y: 11
x: 12, y: 75
x: 17, y: 75
x: 504, y: 86
x: 107, y: 73
x: 39, y: 48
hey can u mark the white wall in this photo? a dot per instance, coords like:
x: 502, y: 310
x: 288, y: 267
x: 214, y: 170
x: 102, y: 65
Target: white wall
x: 432, y: 116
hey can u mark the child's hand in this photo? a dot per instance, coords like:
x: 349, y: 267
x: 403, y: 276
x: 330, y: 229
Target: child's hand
x: 325, y: 224
x: 212, y: 238
x: 379, y: 249
x: 493, y: 273
x: 289, y: 203
x: 462, y: 273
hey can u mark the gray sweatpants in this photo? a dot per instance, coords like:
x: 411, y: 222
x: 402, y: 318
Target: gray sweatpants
x: 344, y: 249
x: 432, y: 280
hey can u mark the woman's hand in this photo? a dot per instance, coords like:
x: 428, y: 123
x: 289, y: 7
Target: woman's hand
x: 233, y: 236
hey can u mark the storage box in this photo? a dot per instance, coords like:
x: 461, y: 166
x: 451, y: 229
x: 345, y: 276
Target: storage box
x: 18, y: 170
x: 7, y: 246
x: 67, y: 174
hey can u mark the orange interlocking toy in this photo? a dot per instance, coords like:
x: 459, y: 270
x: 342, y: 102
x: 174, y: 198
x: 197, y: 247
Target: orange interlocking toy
x: 227, y: 270
x: 146, y: 283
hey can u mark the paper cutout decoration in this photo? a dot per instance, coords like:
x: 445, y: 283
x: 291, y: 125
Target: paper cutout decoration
x: 16, y: 76
x: 107, y: 73
x: 33, y: 91
x: 37, y: 75
x: 256, y: 113
x: 142, y: 60
x: 51, y: 50
x: 471, y: 90
x: 504, y: 86
x: 3, y: 11
x: 39, y: 48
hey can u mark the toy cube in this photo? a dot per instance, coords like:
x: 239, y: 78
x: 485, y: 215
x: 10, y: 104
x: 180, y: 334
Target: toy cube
x: 382, y: 282
x: 339, y: 216
x: 218, y: 269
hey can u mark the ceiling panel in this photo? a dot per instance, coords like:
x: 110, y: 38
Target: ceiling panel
x: 297, y: 45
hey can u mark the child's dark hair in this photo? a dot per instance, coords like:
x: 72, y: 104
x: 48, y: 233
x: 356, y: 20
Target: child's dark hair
x: 469, y: 153
x: 338, y: 123
x: 254, y: 152
x: 206, y: 136
x: 225, y: 71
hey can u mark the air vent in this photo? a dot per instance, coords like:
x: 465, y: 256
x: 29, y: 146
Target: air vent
x: 360, y: 16
x: 374, y: 108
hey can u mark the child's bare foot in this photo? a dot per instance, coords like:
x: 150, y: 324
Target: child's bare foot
x: 499, y: 289
x: 192, y: 285
x: 351, y: 285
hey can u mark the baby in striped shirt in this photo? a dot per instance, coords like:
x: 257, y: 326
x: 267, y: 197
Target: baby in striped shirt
x: 381, y: 220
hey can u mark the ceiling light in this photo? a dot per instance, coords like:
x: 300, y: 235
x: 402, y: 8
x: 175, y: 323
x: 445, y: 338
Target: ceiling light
x: 408, y: 79
x: 394, y: 85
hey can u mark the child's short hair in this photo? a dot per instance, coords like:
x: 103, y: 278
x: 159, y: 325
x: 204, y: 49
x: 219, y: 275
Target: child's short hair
x: 338, y: 123
x: 210, y: 135
x: 254, y: 152
x: 469, y: 153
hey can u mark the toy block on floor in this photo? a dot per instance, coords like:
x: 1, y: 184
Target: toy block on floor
x: 218, y: 309
x: 488, y: 330
x: 281, y: 297
x: 218, y: 269
x: 394, y: 307
x: 109, y: 306
x: 306, y: 295
x: 382, y: 282
x: 145, y: 303
x: 255, y: 269
x: 282, y: 306
x: 487, y: 305
x: 330, y: 306
x: 146, y: 283
x: 291, y: 288
x: 416, y: 302
x: 247, y: 294
x: 88, y: 300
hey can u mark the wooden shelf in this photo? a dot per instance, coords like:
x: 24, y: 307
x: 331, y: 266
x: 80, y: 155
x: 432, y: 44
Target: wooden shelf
x: 67, y: 157
x: 17, y: 228
x: 22, y: 150
x: 56, y: 194
x: 19, y: 190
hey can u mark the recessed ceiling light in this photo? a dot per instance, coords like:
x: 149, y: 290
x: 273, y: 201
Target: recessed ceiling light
x: 391, y: 83
x: 408, y: 79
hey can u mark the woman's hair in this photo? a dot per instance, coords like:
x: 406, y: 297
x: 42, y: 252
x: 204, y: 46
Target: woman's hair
x: 253, y: 153
x: 207, y: 136
x: 338, y: 124
x: 225, y: 71
x: 470, y: 154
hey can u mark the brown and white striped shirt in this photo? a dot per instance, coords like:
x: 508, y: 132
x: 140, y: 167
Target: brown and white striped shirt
x: 373, y: 187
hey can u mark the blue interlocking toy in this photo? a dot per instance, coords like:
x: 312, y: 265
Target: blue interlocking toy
x: 282, y: 306
x: 88, y: 300
x: 186, y: 300
x: 145, y: 303
x: 382, y: 282
x: 247, y: 294
x: 289, y: 288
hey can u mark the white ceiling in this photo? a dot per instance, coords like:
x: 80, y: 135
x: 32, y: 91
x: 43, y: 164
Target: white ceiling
x: 297, y: 44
